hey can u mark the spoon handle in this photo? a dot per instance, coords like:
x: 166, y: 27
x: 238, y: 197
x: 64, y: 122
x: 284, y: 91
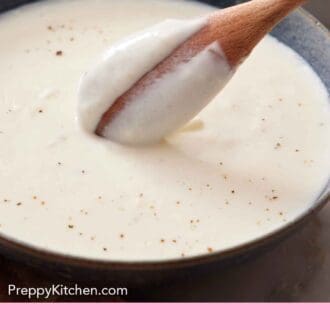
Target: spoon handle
x: 240, y: 28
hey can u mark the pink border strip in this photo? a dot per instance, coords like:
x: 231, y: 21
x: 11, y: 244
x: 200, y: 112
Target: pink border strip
x: 165, y: 316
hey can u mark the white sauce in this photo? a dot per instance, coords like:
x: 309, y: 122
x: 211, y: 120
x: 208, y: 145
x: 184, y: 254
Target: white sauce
x: 172, y: 101
x: 125, y: 63
x: 164, y: 106
x: 255, y: 158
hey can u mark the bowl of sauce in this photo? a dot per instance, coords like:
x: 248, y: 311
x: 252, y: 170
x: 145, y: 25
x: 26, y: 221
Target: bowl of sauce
x: 242, y: 174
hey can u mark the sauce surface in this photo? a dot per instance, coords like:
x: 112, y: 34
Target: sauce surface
x: 248, y: 164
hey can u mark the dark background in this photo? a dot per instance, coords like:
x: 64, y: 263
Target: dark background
x: 320, y: 9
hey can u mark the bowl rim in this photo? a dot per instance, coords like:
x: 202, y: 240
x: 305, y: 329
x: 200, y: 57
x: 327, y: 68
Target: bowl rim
x: 16, y: 247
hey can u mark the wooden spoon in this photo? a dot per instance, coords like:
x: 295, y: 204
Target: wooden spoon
x: 238, y: 29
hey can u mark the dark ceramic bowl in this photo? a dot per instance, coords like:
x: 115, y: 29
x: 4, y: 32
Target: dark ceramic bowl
x: 311, y: 40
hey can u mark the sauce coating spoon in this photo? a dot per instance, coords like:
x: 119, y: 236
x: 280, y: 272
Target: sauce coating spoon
x: 237, y: 30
